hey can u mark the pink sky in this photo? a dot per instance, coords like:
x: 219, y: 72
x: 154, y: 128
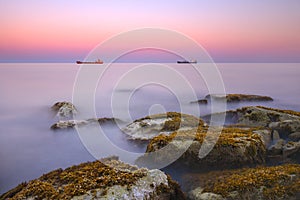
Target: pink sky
x: 231, y: 31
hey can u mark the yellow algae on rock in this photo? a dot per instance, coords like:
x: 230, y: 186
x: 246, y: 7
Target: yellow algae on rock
x: 235, y: 147
x: 276, y: 182
x: 96, y: 180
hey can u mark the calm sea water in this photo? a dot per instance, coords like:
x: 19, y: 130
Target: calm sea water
x: 28, y: 148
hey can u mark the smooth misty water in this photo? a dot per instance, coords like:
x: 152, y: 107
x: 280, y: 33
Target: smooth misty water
x: 28, y: 148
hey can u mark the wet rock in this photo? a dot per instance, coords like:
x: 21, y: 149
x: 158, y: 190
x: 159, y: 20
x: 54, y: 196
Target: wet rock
x: 197, y: 194
x: 234, y: 148
x: 277, y: 182
x: 266, y: 136
x: 64, y: 124
x: 64, y: 109
x: 96, y: 180
x: 268, y: 117
x: 291, y: 150
x: 194, y: 194
x: 285, y: 152
x: 295, y: 136
x: 238, y: 97
x: 151, y: 126
x: 286, y: 127
x: 284, y: 122
x: 276, y: 149
x: 275, y: 136
x: 68, y: 124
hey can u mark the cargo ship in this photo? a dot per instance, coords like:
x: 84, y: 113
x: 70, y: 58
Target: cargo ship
x: 90, y: 62
x: 187, y: 62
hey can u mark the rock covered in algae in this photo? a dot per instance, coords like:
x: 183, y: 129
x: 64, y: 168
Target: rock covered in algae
x: 109, y: 179
x: 235, y: 147
x: 258, y: 116
x: 269, y: 117
x: 283, y: 143
x: 64, y: 109
x: 285, y: 122
x: 148, y: 127
x: 276, y: 182
x: 238, y: 97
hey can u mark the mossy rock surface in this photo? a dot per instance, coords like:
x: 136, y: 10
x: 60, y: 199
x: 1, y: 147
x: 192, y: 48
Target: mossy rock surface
x: 96, y: 180
x: 263, y: 116
x: 234, y: 147
x: 277, y: 182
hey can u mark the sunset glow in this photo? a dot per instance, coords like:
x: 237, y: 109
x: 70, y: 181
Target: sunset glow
x: 231, y: 31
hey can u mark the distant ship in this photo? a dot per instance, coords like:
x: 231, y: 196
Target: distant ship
x: 90, y: 62
x: 187, y: 62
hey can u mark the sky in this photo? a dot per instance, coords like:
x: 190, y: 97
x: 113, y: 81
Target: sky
x: 230, y: 31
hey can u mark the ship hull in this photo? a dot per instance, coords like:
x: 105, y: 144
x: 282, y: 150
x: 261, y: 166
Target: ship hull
x: 186, y: 62
x: 82, y: 62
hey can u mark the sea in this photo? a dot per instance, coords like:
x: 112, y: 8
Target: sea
x: 128, y: 91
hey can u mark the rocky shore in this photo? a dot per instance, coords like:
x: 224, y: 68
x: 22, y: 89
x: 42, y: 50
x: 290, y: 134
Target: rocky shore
x: 255, y: 156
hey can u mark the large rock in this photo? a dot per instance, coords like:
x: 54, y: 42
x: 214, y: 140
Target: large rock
x: 238, y: 97
x: 263, y: 116
x: 110, y: 179
x: 234, y: 148
x: 285, y: 122
x: 278, y: 182
x: 148, y: 127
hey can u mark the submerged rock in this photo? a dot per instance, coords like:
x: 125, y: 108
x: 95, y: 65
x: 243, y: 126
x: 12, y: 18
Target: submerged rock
x: 151, y: 126
x: 64, y: 109
x: 279, y: 182
x: 235, y: 147
x: 63, y: 124
x: 97, y: 180
x: 238, y: 97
